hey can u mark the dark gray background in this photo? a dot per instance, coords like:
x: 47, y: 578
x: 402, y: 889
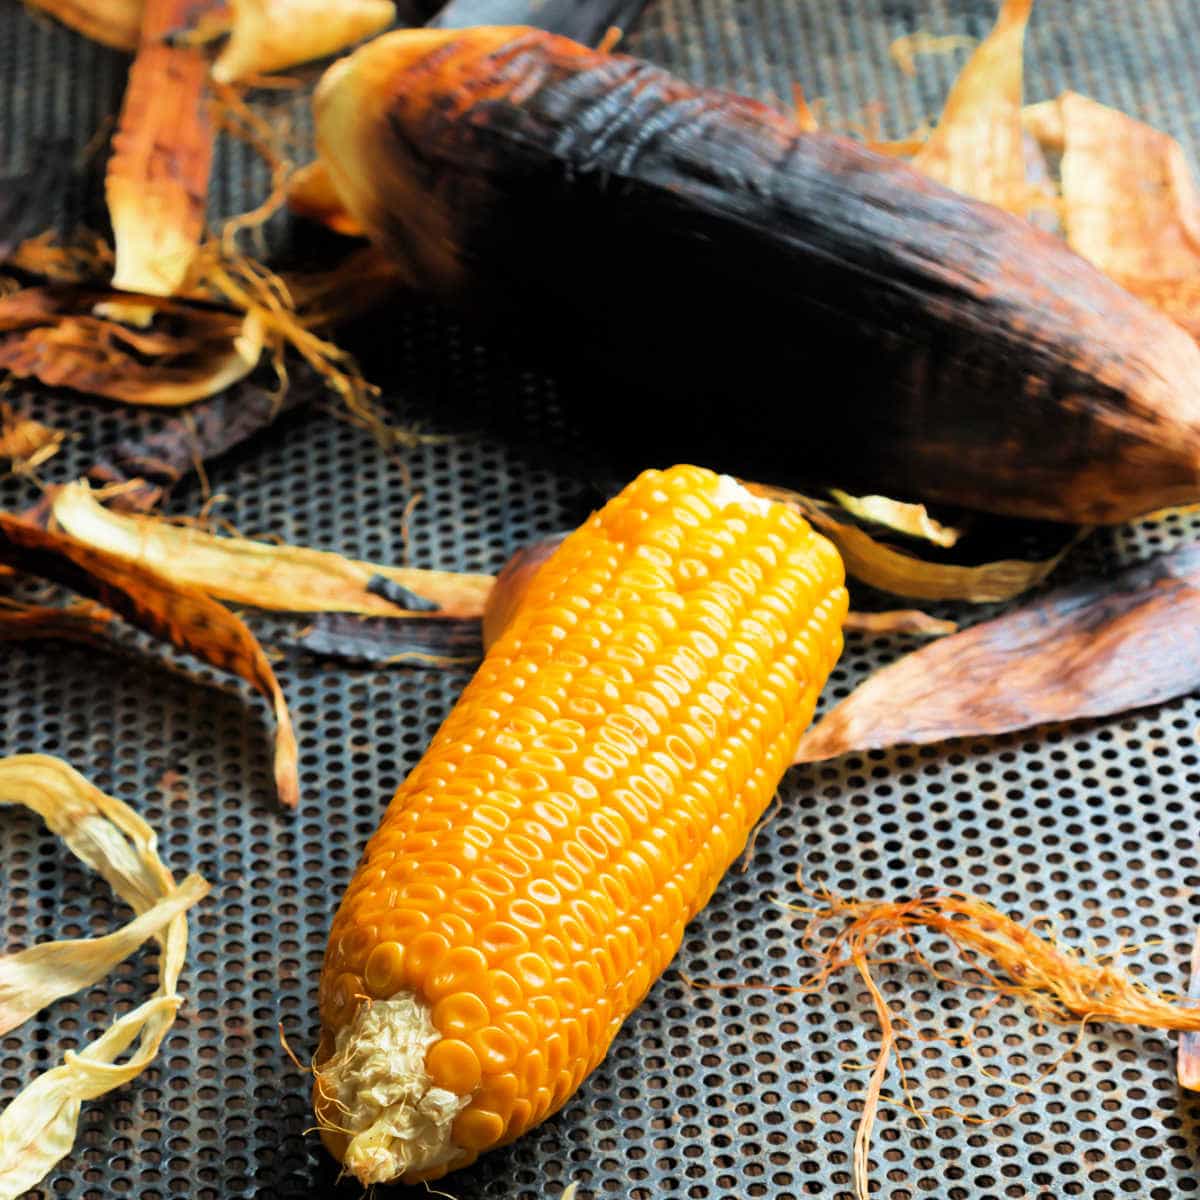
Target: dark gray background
x: 706, y: 1093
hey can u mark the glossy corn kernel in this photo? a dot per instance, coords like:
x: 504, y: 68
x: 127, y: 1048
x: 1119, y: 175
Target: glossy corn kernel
x: 534, y: 874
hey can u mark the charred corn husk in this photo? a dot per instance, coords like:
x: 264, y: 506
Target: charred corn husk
x: 795, y: 304
x: 534, y: 873
x: 157, y: 180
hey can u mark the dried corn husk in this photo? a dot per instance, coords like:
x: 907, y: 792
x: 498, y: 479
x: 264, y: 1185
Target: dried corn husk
x: 157, y: 182
x: 272, y: 35
x: 38, y: 1127
x: 49, y: 333
x: 1086, y: 651
x: 1130, y: 204
x: 81, y: 622
x: 977, y: 147
x: 261, y: 574
x: 115, y: 23
x: 311, y: 194
x: 27, y: 443
x: 910, y: 621
x: 183, y: 615
x: 911, y: 519
x: 384, y: 642
x: 904, y: 50
x: 901, y: 571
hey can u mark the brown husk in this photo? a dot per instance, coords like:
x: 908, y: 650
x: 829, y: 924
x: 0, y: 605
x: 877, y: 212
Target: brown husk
x: 387, y: 642
x: 83, y: 621
x: 264, y: 575
x: 1129, y: 202
x: 180, y: 614
x: 157, y: 182
x: 189, y: 439
x: 1091, y: 650
x: 26, y: 443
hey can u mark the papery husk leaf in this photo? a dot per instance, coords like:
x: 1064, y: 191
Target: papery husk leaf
x: 184, y: 615
x: 115, y: 23
x: 38, y: 1127
x: 1188, y: 1059
x: 875, y: 562
x: 191, y: 438
x: 904, y: 49
x: 912, y: 519
x: 49, y: 333
x: 311, y: 194
x: 272, y: 35
x: 82, y: 622
x: 261, y: 574
x: 1130, y: 204
x: 910, y: 621
x: 81, y: 258
x: 1090, y: 650
x: 387, y: 642
x: 27, y: 443
x: 33, y: 979
x: 157, y: 180
x: 976, y: 147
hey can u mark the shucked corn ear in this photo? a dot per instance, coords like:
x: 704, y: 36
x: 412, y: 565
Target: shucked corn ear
x: 535, y: 872
x: 896, y: 337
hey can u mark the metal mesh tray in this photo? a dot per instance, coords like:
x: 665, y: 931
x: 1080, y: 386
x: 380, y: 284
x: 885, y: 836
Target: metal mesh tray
x: 706, y: 1093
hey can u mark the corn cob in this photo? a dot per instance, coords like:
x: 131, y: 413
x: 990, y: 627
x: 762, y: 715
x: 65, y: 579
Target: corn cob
x: 690, y: 248
x: 534, y: 874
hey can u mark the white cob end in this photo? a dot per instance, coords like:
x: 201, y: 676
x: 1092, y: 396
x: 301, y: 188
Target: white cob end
x: 730, y: 493
x: 380, y: 1095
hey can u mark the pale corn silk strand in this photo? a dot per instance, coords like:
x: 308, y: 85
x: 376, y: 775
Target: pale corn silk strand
x: 38, y: 1128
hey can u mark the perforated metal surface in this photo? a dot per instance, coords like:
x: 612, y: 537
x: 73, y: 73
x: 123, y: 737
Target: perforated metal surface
x: 706, y: 1093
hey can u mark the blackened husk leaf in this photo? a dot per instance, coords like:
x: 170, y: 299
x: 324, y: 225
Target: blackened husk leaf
x: 199, y: 434
x: 182, y: 615
x: 401, y: 596
x: 1090, y: 650
x: 847, y: 320
x: 583, y: 20
x: 386, y: 641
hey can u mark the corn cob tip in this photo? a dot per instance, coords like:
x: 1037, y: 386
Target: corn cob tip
x: 377, y: 1107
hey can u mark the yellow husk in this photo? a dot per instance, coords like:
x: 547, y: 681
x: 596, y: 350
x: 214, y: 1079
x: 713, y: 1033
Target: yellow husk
x: 891, y: 570
x: 911, y: 621
x: 913, y: 519
x: 280, y: 577
x: 977, y: 147
x: 905, y: 49
x: 114, y: 23
x: 38, y: 1127
x: 272, y: 35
